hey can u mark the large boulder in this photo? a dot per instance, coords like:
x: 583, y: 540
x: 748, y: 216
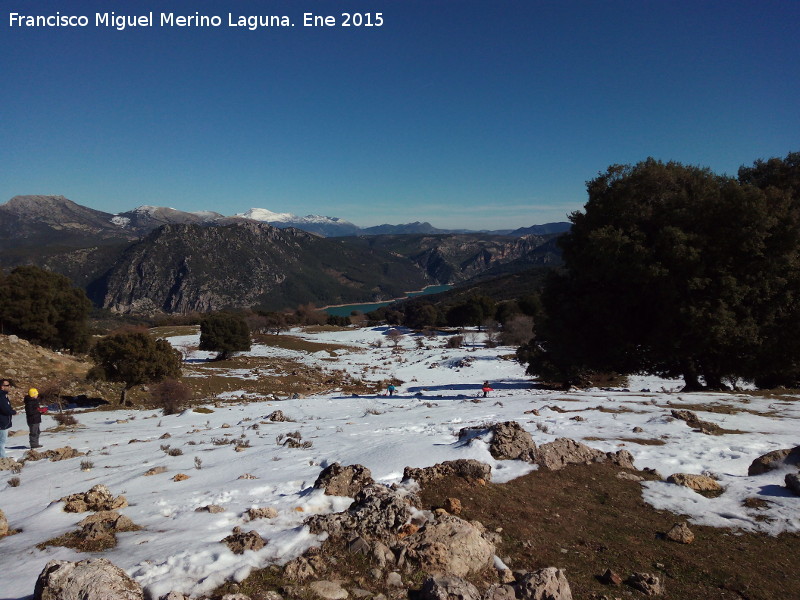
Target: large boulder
x: 450, y: 546
x: 466, y: 468
x: 91, y: 579
x: 775, y: 460
x: 377, y: 512
x: 509, y: 441
x: 561, y: 452
x: 544, y: 584
x: 337, y: 480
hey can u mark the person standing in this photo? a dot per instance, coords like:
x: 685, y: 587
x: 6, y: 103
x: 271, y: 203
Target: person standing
x: 6, y: 412
x: 33, y: 414
x: 486, y: 389
x: 391, y: 389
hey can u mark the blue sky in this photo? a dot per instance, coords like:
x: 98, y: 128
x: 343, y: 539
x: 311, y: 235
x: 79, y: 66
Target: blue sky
x: 479, y: 114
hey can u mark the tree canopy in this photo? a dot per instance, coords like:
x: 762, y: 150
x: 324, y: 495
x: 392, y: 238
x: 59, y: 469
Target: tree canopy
x: 224, y: 333
x: 676, y: 271
x: 45, y: 308
x: 134, y: 358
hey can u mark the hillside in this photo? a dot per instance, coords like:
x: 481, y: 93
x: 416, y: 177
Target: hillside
x: 184, y: 268
x: 240, y: 472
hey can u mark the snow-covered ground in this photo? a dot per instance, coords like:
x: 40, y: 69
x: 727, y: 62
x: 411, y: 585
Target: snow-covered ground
x: 180, y: 549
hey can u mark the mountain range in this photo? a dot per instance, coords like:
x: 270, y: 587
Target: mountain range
x: 156, y: 259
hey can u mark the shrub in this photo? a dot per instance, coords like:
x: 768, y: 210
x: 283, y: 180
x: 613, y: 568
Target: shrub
x: 14, y: 482
x: 65, y: 419
x: 455, y: 341
x: 171, y: 395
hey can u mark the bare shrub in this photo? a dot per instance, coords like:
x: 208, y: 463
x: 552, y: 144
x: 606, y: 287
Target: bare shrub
x: 455, y: 341
x: 517, y: 330
x: 14, y: 482
x: 395, y: 337
x: 65, y: 419
x: 175, y: 452
x: 198, y: 463
x: 86, y: 465
x: 171, y: 395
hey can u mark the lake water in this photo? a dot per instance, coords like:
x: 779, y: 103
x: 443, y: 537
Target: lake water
x: 347, y: 309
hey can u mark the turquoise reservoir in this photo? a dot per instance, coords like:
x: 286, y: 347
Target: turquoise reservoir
x: 347, y: 309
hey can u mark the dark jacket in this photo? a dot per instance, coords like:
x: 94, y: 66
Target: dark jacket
x: 32, y: 413
x: 5, y: 411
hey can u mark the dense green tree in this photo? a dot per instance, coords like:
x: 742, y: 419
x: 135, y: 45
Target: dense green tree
x: 473, y: 311
x: 671, y: 270
x: 45, y: 308
x: 421, y: 315
x: 134, y: 358
x: 224, y: 333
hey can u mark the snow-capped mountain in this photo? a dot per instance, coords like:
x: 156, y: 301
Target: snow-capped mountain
x: 325, y: 226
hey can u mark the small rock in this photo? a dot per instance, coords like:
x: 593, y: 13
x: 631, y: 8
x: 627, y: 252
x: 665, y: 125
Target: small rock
x: 610, y: 578
x: 453, y: 506
x: 448, y: 588
x: 393, y: 579
x: 266, y: 512
x: 698, y: 483
x: 211, y: 508
x: 328, y: 590
x: 680, y: 533
x: 646, y: 582
x: 155, y: 471
x: 180, y: 477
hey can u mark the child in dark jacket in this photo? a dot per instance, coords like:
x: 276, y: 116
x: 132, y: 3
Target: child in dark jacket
x: 33, y: 414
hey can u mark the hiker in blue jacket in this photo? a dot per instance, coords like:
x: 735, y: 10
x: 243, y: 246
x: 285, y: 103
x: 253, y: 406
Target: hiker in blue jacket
x: 6, y: 412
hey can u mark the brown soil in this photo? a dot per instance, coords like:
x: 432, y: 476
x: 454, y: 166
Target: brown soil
x: 585, y: 520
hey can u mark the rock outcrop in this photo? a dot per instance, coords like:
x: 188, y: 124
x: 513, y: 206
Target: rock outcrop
x: 337, y: 480
x: 466, y: 468
x: 776, y: 459
x: 92, y: 579
x: 698, y: 483
x: 96, y: 499
x: 561, y: 452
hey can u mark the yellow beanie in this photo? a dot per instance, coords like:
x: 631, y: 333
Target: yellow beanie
x: 33, y: 393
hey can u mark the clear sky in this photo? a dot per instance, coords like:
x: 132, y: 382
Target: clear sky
x: 480, y: 114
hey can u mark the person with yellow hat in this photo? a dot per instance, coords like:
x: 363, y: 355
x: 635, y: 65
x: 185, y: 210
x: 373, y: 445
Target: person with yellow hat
x: 33, y: 414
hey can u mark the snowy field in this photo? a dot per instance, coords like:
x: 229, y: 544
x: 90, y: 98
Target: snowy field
x: 180, y: 549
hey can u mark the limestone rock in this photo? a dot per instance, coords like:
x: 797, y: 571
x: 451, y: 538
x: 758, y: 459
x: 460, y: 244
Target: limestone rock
x: 239, y: 541
x: 337, y: 480
x: 97, y: 498
x: 448, y: 588
x: 450, y: 546
x: 561, y: 452
x: 509, y: 441
x: 698, y: 483
x: 466, y: 468
x: 376, y: 512
x: 266, y: 512
x: 91, y: 579
x: 680, y: 533
x: 3, y: 523
x: 211, y: 508
x: 775, y: 460
x: 277, y: 416
x: 648, y: 583
x: 544, y: 584
x: 499, y: 592
x: 793, y: 482
x: 155, y: 471
x: 328, y: 590
x: 453, y: 506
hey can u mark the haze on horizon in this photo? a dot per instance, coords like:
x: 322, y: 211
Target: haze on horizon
x: 476, y: 114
